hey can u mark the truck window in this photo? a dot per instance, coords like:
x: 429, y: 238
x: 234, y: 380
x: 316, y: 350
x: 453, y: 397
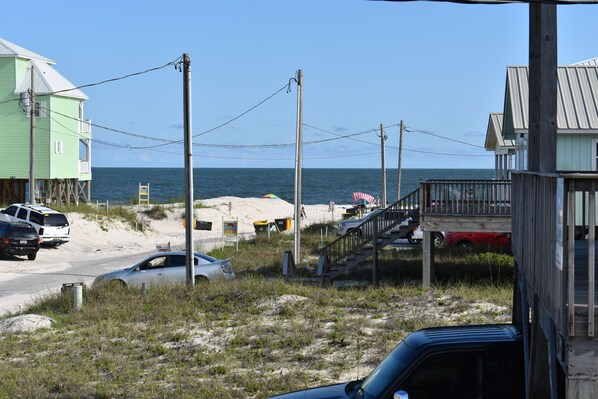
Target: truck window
x: 448, y: 376
x: 502, y: 375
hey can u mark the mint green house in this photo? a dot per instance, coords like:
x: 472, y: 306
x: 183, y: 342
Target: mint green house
x: 62, y: 137
x: 577, y: 120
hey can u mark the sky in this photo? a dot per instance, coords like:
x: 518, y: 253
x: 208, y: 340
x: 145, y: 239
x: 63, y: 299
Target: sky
x: 439, y: 67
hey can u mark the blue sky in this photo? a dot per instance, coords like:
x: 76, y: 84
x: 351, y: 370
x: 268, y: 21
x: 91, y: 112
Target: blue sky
x: 439, y: 67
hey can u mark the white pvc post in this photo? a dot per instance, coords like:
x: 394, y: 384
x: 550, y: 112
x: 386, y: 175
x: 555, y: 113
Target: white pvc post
x: 77, y: 296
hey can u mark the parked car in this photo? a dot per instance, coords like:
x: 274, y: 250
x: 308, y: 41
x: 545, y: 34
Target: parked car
x: 351, y: 224
x: 416, y: 236
x: 18, y: 238
x: 51, y: 226
x: 168, y: 267
x: 470, y: 240
x: 464, y: 362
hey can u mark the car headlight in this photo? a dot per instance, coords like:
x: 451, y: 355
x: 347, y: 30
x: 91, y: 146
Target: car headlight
x: 226, y: 267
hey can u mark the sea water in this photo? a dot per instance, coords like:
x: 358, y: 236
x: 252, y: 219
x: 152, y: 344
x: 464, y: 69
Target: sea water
x: 319, y: 186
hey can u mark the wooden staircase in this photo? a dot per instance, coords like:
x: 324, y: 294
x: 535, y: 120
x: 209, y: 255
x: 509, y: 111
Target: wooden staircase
x: 359, y: 244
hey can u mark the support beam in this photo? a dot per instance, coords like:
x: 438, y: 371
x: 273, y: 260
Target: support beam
x: 428, y: 259
x: 542, y: 87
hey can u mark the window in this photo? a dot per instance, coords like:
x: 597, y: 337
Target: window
x: 11, y: 210
x: 39, y: 110
x: 36, y: 217
x: 445, y: 376
x: 155, y: 263
x: 22, y: 214
x: 595, y: 155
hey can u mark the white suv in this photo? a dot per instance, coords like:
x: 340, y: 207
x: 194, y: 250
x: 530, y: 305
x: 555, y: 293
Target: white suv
x: 52, y: 226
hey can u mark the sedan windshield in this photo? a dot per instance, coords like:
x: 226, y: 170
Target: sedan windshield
x: 386, y: 373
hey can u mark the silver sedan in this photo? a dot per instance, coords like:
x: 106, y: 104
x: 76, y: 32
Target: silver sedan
x: 168, y: 267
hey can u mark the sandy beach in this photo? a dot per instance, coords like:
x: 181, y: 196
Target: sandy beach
x: 94, y: 239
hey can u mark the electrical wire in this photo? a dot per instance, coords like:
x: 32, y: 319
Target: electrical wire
x: 442, y: 137
x: 174, y: 62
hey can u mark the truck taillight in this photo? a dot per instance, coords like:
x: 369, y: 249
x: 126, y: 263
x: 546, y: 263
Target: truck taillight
x: 5, y: 240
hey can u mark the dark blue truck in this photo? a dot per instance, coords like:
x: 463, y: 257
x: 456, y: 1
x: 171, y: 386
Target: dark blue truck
x: 465, y: 362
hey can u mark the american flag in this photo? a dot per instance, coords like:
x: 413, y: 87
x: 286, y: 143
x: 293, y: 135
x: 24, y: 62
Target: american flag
x: 363, y: 196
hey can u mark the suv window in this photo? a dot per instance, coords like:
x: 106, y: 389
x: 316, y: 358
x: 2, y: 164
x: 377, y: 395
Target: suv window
x: 36, y: 217
x: 11, y: 210
x: 55, y: 219
x: 22, y: 214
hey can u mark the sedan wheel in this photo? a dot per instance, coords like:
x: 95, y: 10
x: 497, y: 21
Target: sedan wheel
x: 200, y: 280
x: 438, y: 239
x: 465, y: 245
x: 117, y: 284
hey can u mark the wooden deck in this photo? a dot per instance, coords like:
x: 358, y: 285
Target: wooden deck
x: 465, y: 205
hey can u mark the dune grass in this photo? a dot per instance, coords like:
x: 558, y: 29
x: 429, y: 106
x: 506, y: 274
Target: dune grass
x: 248, y: 338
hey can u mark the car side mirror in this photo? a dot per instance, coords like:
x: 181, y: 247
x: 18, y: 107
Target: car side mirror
x: 401, y: 395
x: 137, y: 269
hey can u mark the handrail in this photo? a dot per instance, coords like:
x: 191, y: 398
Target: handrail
x: 363, y: 234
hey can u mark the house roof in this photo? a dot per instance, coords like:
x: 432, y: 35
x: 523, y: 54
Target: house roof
x: 592, y: 61
x: 577, y: 96
x: 47, y: 80
x: 494, y: 137
x: 8, y: 49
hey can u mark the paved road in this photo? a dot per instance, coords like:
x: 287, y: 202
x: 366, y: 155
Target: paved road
x: 21, y: 288
x: 17, y: 289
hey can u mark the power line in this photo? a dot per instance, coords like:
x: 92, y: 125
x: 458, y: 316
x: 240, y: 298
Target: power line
x: 442, y: 137
x: 174, y: 63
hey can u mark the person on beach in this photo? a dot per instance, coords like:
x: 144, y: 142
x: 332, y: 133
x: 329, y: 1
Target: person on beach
x: 303, y: 215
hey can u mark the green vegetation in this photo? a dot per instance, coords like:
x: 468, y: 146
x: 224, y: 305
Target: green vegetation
x: 248, y: 338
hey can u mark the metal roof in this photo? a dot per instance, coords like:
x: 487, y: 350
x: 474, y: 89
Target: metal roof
x: 577, y: 107
x: 494, y: 137
x: 8, y: 49
x: 593, y: 61
x: 47, y: 80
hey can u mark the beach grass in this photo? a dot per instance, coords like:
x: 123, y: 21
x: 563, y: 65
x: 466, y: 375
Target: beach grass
x: 248, y: 338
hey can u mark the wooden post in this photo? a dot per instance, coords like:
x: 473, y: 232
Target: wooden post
x: 427, y: 261
x: 542, y: 87
x: 375, y: 256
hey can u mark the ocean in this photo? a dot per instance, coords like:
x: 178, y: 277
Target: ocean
x: 121, y: 185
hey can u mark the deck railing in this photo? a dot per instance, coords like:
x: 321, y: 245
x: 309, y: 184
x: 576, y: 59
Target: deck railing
x: 364, y: 234
x: 554, y: 225
x: 470, y: 197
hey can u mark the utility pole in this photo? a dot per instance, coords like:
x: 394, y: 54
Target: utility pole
x: 400, y: 160
x: 32, y: 141
x: 189, y: 253
x: 382, y: 138
x: 298, y: 152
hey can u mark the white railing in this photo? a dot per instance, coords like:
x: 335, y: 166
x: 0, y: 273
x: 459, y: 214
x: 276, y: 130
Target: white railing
x: 84, y: 167
x: 85, y: 126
